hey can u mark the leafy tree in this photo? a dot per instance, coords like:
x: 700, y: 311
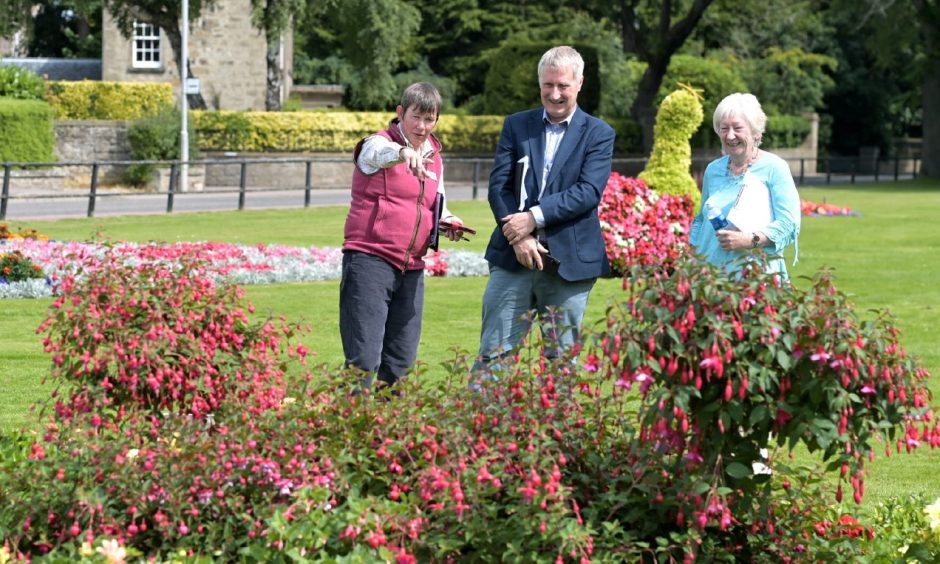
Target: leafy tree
x: 14, y: 16
x: 58, y: 29
x: 655, y: 30
x: 274, y: 17
x: 919, y: 39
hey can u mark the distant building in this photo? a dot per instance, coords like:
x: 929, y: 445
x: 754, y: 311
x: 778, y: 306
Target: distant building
x: 227, y: 54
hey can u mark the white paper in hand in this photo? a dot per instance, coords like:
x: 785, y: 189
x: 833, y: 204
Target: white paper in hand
x: 522, y: 168
x: 753, y: 211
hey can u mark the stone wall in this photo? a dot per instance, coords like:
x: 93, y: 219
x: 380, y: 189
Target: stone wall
x: 227, y: 55
x: 84, y: 141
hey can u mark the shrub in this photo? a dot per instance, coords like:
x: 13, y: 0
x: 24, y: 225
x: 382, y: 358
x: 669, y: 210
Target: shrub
x: 157, y: 138
x: 641, y: 447
x: 785, y: 131
x: 95, y: 99
x: 330, y: 131
x: 26, y: 131
x: 19, y: 83
x: 667, y: 171
x: 640, y: 226
x: 14, y: 267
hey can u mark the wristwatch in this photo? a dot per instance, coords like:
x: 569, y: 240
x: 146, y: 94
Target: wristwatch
x: 755, y: 240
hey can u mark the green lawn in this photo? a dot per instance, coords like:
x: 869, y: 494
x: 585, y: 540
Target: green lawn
x: 884, y: 259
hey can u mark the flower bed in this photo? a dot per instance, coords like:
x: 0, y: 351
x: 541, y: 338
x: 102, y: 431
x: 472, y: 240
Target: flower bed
x: 240, y: 264
x: 181, y: 429
x: 815, y: 209
x: 640, y: 226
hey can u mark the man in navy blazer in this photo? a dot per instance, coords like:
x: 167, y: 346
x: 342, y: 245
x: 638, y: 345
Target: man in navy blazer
x: 549, y: 174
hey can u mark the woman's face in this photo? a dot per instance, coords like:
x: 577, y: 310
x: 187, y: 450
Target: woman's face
x: 736, y: 136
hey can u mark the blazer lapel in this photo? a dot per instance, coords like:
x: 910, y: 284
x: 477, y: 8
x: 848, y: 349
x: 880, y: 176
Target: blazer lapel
x: 568, y: 144
x: 536, y: 135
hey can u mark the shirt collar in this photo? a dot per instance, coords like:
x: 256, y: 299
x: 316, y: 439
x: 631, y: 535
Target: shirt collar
x: 565, y: 122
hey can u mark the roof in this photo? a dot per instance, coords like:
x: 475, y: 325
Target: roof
x: 58, y: 69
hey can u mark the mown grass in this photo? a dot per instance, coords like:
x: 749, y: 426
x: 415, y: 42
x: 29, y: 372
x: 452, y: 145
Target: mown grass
x: 885, y: 259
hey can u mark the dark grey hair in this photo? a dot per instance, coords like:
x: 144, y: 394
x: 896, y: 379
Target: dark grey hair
x: 423, y: 97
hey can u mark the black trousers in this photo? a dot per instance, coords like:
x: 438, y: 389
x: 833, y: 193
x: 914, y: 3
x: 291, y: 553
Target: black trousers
x: 380, y: 311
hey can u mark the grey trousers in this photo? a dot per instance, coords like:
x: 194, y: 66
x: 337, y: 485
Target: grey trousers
x: 380, y: 316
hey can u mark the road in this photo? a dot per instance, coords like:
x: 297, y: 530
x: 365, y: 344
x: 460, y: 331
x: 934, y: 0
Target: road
x: 63, y: 205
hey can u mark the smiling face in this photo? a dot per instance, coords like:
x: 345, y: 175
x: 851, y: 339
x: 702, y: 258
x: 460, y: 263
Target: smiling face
x: 737, y: 140
x: 416, y: 125
x: 559, y: 92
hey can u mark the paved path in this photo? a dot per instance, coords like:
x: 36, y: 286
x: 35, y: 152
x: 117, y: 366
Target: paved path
x: 74, y: 203
x: 59, y: 205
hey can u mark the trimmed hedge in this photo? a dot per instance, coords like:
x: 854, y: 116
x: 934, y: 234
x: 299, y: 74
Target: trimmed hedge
x: 26, y: 131
x: 93, y: 99
x: 785, y: 131
x: 512, y: 83
x: 330, y: 131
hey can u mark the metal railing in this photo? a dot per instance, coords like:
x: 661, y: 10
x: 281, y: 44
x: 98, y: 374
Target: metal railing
x: 841, y: 169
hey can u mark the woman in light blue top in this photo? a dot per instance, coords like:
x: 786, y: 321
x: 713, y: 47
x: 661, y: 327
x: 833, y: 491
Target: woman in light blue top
x: 739, y: 122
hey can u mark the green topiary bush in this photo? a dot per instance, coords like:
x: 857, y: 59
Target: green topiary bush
x: 19, y: 83
x: 95, y: 99
x: 157, y: 138
x: 667, y: 172
x: 26, y: 131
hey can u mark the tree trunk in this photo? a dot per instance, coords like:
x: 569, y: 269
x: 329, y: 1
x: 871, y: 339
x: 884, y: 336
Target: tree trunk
x: 930, y: 92
x: 173, y: 34
x: 644, y: 106
x: 272, y: 98
x: 655, y: 44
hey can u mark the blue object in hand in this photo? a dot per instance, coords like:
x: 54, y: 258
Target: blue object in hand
x: 715, y: 217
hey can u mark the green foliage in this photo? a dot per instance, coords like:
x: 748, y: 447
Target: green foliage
x: 785, y: 131
x: 92, y: 99
x: 512, y: 83
x: 26, y: 131
x: 667, y: 171
x: 22, y: 84
x: 330, y: 131
x: 157, y: 138
x: 790, y: 81
x: 14, y: 267
x: 633, y: 451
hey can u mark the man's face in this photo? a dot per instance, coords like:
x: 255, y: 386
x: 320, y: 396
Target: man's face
x: 416, y: 125
x: 559, y: 92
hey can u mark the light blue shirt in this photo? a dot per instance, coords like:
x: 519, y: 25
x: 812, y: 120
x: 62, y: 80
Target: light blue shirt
x: 720, y: 187
x: 554, y: 133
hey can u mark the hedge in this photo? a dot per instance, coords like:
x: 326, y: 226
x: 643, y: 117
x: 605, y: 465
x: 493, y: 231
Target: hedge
x: 93, y: 99
x: 26, y: 131
x: 330, y: 131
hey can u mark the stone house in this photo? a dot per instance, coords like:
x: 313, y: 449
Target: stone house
x: 226, y: 53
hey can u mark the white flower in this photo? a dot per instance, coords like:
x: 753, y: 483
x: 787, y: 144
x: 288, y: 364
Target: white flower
x: 112, y: 551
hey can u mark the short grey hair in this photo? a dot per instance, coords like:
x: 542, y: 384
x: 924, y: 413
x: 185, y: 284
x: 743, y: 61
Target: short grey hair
x: 562, y: 57
x: 745, y: 106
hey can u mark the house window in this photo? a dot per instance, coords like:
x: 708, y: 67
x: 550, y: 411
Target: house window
x: 146, y: 46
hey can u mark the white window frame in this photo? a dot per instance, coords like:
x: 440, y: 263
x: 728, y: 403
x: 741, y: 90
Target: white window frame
x: 146, y: 46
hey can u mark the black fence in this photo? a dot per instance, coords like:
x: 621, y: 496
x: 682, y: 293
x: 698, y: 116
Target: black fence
x: 303, y: 178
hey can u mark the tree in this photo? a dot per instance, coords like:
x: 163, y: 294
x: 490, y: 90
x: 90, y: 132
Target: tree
x: 274, y: 17
x: 14, y: 16
x: 918, y: 42
x: 166, y: 14
x: 655, y: 30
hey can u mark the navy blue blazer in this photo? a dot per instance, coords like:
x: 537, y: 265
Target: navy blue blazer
x: 572, y: 193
